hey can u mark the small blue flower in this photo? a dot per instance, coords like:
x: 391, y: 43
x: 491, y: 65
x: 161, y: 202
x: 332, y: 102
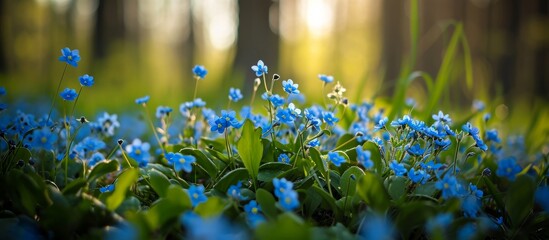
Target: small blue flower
x: 294, y: 111
x: 289, y: 200
x: 95, y: 159
x: 440, y: 221
x: 418, y: 176
x: 442, y: 118
x: 281, y: 186
x: 162, y: 112
x: 234, y: 191
x: 468, y: 231
x: 198, y: 103
x: 290, y: 87
x: 276, y: 100
x: 381, y: 124
x: 139, y: 151
x: 180, y: 161
x: 336, y: 159
x: 284, y: 115
x: 196, y: 193
x: 217, y: 124
x: 108, y: 188
x: 329, y: 118
x: 398, y: 168
x: 107, y: 123
x: 478, y: 105
x: 313, y: 143
x: 235, y: 95
x: 541, y: 196
x: 415, y: 150
x: 253, y: 212
x: 260, y: 68
x: 325, y: 78
x: 492, y: 135
x: 68, y: 94
x: 508, y: 168
x: 2, y: 91
x: 283, y: 157
x: 43, y: 138
x: 88, y: 145
x: 86, y: 80
x: 70, y: 57
x: 402, y: 122
x: 449, y: 186
x: 377, y: 227
x: 200, y: 71
x: 363, y: 157
x: 142, y: 100
x: 486, y: 117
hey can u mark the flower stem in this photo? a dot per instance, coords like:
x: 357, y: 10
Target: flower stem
x: 124, y: 155
x: 152, y: 126
x: 195, y: 87
x: 56, y: 92
x: 458, y: 141
x: 228, y: 147
x: 75, y: 101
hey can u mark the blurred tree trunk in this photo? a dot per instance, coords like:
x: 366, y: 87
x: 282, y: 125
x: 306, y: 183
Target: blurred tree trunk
x: 255, y: 39
x: 3, y: 52
x: 393, y: 19
x: 109, y: 26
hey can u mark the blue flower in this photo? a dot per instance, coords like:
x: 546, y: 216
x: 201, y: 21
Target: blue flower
x: 449, y: 186
x: 468, y: 231
x: 289, y: 200
x: 325, y: 78
x: 313, y: 143
x: 329, y: 118
x: 295, y: 112
x: 162, y: 112
x: 415, y: 150
x: 139, y: 151
x: 508, y: 168
x: 260, y: 68
x: 541, y: 196
x: 2, y: 91
x: 442, y: 118
x: 217, y: 124
x: 200, y: 71
x: 142, y: 100
x: 363, y: 157
x: 398, y: 168
x: 196, y: 193
x: 276, y: 100
x: 70, y: 57
x: 492, y: 135
x: 283, y: 157
x: 402, y: 122
x: 86, y: 80
x: 281, y: 186
x: 43, y: 138
x: 336, y: 159
x: 88, y: 145
x: 108, y: 188
x: 95, y: 159
x: 284, y: 115
x: 107, y: 124
x: 478, y: 105
x: 198, y: 103
x: 68, y: 94
x: 290, y: 87
x: 418, y: 176
x: 235, y: 193
x: 235, y: 95
x: 122, y: 230
x: 440, y: 221
x: 377, y: 227
x: 180, y: 161
x: 381, y: 124
x: 253, y: 212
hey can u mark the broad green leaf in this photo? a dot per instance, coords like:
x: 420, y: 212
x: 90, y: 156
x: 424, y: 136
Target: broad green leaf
x: 370, y: 189
x: 328, y: 200
x: 349, y: 180
x: 250, y: 148
x: 159, y: 182
x: 396, y: 186
x: 178, y: 196
x: 162, y: 212
x: 346, y: 142
x: 217, y: 144
x: 102, y: 168
x: 270, y: 170
x: 267, y: 202
x: 286, y: 226
x: 519, y: 200
x: 375, y: 156
x: 231, y: 178
x: 74, y: 186
x: 413, y: 215
x: 494, y: 192
x: 212, y: 207
x: 320, y: 163
x: 427, y: 189
x: 202, y: 160
x: 123, y: 183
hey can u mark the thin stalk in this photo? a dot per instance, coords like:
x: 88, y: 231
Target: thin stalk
x: 195, y: 87
x: 458, y: 141
x: 343, y: 144
x: 75, y: 101
x: 152, y: 127
x: 56, y: 92
x: 231, y: 162
x: 124, y: 155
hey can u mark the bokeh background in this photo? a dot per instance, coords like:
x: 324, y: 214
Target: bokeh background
x: 143, y: 47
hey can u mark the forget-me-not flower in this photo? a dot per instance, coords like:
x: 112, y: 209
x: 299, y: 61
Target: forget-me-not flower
x: 70, y: 57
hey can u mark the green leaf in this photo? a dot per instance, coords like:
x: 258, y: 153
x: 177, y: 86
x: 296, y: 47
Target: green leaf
x: 495, y: 193
x: 250, y: 148
x: 231, y: 178
x: 102, y: 168
x: 320, y: 163
x: 159, y: 182
x: 328, y: 200
x: 349, y: 180
x: 74, y: 186
x: 375, y: 156
x: 396, y: 186
x: 346, y: 142
x: 162, y: 212
x: 267, y: 202
x: 202, y: 160
x: 370, y: 189
x: 270, y: 170
x: 212, y: 207
x: 413, y: 215
x: 123, y: 183
x: 178, y: 196
x: 519, y: 200
x: 286, y: 226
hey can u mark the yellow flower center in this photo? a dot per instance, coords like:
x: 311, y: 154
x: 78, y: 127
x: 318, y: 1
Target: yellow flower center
x: 509, y: 170
x: 254, y: 210
x: 195, y: 195
x: 288, y: 200
x: 44, y: 139
x: 446, y: 185
x: 137, y: 151
x: 69, y: 57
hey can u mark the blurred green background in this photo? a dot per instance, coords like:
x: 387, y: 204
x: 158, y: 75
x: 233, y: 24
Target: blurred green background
x: 136, y: 48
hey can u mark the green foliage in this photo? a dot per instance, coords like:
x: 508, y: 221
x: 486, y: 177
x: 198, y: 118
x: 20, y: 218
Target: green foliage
x: 250, y: 148
x: 123, y: 183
